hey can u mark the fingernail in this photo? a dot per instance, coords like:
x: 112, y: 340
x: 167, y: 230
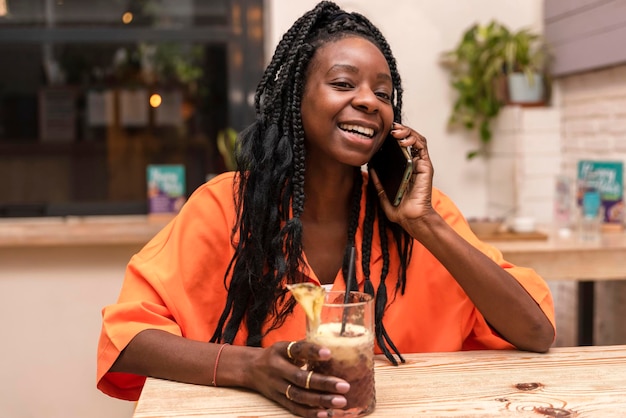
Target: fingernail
x: 324, y: 353
x: 322, y: 414
x: 342, y: 387
x: 339, y: 401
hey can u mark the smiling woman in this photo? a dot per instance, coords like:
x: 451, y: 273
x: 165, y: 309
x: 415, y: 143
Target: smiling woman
x: 206, y: 301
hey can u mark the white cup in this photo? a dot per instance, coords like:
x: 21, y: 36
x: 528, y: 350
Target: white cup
x: 523, y: 224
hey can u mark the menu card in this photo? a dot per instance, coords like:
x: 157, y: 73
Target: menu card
x: 606, y: 180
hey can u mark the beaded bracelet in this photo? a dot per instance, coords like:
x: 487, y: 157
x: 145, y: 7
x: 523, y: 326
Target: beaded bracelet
x: 217, y: 359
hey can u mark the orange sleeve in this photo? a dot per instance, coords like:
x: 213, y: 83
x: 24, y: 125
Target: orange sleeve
x: 481, y: 336
x: 175, y: 283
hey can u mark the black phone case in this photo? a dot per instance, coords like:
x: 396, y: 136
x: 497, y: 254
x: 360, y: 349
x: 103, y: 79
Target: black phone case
x: 394, y: 166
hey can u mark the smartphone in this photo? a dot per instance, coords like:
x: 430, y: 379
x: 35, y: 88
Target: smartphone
x: 394, y: 166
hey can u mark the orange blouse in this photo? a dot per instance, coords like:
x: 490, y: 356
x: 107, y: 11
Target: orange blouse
x: 176, y: 283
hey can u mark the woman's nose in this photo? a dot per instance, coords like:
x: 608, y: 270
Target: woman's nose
x: 366, y: 100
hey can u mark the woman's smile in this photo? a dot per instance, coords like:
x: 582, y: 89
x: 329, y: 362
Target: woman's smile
x: 357, y: 129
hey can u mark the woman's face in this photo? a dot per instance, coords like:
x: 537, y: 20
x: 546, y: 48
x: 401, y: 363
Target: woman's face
x: 346, y: 104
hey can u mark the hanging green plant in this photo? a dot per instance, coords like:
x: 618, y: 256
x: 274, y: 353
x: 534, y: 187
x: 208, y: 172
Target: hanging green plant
x: 479, y: 66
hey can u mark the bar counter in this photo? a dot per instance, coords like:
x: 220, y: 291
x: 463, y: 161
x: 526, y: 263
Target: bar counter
x: 570, y: 258
x: 80, y: 230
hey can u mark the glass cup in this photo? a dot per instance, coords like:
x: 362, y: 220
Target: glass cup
x: 591, y: 220
x: 347, y: 329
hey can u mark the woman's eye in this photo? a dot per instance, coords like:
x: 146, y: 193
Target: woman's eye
x: 383, y: 95
x: 342, y: 84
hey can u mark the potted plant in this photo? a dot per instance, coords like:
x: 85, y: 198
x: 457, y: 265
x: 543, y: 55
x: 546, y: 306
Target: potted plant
x: 526, y: 59
x: 480, y: 66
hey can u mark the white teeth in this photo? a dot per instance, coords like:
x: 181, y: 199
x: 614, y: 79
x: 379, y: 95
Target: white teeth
x: 369, y: 132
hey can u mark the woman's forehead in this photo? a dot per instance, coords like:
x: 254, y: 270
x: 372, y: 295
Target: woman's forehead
x: 349, y: 48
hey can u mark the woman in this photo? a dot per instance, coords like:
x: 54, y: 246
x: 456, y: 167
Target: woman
x: 297, y: 205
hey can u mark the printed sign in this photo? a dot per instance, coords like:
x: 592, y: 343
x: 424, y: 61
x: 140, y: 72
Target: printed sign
x: 166, y: 188
x: 606, y: 179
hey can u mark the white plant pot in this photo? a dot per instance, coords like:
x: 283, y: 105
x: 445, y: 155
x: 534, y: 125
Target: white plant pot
x: 525, y: 91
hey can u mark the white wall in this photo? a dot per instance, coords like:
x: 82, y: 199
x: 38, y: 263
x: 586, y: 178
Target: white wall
x: 524, y: 163
x: 593, y: 108
x: 418, y: 32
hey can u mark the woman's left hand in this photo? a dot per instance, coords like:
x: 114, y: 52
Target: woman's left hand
x: 416, y: 202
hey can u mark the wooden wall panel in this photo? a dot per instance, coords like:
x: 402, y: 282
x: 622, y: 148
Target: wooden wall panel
x: 585, y: 34
x: 557, y: 8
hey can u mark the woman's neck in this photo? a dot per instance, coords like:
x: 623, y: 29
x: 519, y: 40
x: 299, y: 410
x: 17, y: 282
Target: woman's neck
x: 328, y: 195
x: 325, y: 222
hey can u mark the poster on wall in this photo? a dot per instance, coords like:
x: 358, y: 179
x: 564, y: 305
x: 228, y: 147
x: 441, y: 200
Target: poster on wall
x: 166, y: 188
x: 604, y: 179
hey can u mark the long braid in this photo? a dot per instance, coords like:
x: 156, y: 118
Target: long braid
x: 366, y: 245
x: 291, y: 235
x: 382, y: 338
x: 269, y: 188
x: 355, y: 210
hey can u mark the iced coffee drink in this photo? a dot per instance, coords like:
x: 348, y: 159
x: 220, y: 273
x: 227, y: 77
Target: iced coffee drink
x: 347, y: 330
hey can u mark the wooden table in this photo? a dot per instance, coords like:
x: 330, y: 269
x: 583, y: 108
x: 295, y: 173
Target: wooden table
x: 571, y: 258
x: 566, y: 382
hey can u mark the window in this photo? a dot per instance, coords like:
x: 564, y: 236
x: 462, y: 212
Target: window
x: 92, y: 92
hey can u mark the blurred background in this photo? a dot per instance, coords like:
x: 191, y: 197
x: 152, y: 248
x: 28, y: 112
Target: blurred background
x: 94, y: 92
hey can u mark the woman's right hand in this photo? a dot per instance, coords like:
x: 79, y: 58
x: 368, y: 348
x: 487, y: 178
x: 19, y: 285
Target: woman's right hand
x: 277, y: 373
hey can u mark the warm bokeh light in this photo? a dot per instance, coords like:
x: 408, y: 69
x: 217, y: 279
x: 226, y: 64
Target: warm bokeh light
x: 155, y: 100
x: 127, y: 18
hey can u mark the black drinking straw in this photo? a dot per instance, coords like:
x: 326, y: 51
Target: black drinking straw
x: 349, y: 281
